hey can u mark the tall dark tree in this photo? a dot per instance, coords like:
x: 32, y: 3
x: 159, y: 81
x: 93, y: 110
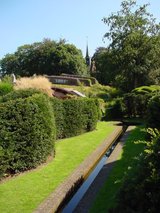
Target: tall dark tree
x: 105, y: 67
x: 135, y: 44
x: 47, y: 57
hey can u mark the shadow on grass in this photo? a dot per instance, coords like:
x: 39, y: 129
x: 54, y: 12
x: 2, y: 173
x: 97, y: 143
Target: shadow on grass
x: 106, y: 197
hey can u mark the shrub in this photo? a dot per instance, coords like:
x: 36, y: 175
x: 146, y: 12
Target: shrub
x: 80, y: 115
x: 58, y: 110
x: 5, y: 88
x: 114, y: 109
x: 7, y: 79
x: 136, y: 104
x: 104, y: 92
x: 41, y: 83
x: 137, y: 101
x: 140, y: 191
x: 27, y: 133
x: 153, y: 115
x: 22, y: 93
x: 75, y: 116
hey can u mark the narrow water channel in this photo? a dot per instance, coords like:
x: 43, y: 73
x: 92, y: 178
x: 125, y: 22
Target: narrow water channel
x: 71, y: 205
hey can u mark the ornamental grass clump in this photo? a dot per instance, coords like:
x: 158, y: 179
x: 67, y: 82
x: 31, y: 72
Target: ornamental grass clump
x: 38, y: 82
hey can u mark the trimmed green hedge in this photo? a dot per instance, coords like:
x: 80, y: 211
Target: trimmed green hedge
x: 58, y: 109
x: 75, y: 116
x: 80, y: 115
x: 27, y: 133
x: 30, y: 122
x: 22, y: 93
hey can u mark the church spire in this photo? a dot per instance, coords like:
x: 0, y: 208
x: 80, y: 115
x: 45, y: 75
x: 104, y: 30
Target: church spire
x: 87, y: 55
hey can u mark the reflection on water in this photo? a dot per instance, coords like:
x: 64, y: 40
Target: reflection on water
x: 82, y: 190
x: 69, y: 208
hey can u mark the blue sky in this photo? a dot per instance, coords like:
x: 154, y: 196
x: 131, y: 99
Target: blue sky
x: 27, y: 21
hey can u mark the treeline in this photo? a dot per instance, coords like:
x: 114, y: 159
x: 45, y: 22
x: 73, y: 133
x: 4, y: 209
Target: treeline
x: 47, y: 57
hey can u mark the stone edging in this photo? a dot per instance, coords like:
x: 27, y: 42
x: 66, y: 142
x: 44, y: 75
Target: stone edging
x: 54, y: 202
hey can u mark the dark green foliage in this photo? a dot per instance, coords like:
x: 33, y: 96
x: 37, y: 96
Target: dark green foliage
x: 136, y: 104
x: 137, y: 100
x: 5, y: 88
x: 153, y: 115
x: 99, y: 103
x: 114, y: 109
x: 46, y: 57
x: 27, y: 133
x: 141, y: 190
x: 23, y: 93
x: 80, y: 115
x: 75, y: 116
x: 105, y: 66
x: 29, y: 121
x: 134, y: 48
x: 58, y: 110
x: 154, y: 76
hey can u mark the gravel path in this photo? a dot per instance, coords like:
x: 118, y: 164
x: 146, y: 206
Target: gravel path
x: 86, y: 202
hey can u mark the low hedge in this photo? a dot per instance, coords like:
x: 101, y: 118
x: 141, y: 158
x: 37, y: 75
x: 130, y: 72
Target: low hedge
x: 27, y: 133
x: 75, y: 116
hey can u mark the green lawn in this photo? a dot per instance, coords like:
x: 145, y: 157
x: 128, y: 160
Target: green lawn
x: 106, y: 198
x: 25, y: 192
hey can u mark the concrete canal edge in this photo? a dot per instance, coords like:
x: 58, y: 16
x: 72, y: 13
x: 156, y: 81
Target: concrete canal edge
x: 56, y: 199
x: 87, y: 201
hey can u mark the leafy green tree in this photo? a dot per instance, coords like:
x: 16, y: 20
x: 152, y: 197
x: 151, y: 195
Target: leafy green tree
x: 135, y: 44
x: 105, y: 67
x: 154, y: 76
x: 47, y: 57
x: 9, y: 64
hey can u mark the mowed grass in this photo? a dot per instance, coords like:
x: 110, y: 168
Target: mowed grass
x: 106, y: 197
x: 26, y: 191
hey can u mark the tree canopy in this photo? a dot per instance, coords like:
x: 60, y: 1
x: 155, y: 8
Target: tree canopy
x: 105, y: 66
x: 134, y: 45
x: 47, y: 57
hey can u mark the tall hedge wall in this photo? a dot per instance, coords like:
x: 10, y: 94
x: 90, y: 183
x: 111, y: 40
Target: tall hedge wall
x: 75, y: 116
x: 30, y: 122
x: 27, y: 133
x: 58, y: 109
x: 80, y: 116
